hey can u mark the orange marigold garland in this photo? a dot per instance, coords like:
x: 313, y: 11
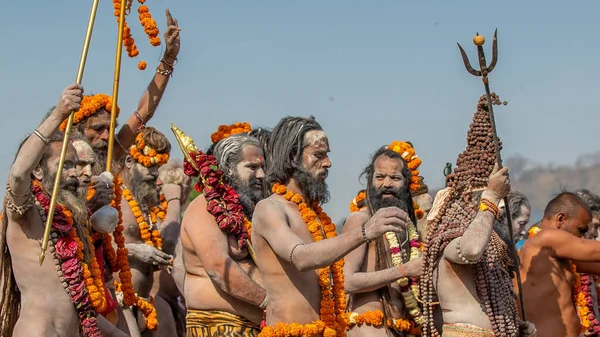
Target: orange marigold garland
x: 147, y: 22
x: 150, y: 235
x: 89, y: 106
x: 225, y: 131
x: 333, y: 319
x: 362, y: 195
x: 147, y: 308
x: 375, y: 318
x: 412, y: 160
x: 146, y: 155
x: 129, y: 297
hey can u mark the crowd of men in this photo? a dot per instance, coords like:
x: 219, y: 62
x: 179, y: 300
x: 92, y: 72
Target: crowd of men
x: 254, y: 254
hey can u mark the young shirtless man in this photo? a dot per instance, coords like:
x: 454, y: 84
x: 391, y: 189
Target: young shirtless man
x: 34, y: 301
x: 287, y: 253
x: 546, y: 268
x: 370, y: 278
x: 222, y: 286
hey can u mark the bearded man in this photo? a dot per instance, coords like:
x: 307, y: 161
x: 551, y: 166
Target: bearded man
x: 59, y: 305
x: 552, y: 260
x: 222, y: 286
x: 468, y: 261
x: 296, y: 263
x: 93, y: 124
x: 146, y: 216
x: 376, y: 274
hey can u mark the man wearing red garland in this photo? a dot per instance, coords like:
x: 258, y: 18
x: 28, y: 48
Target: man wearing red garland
x: 377, y: 274
x: 146, y: 215
x: 35, y: 300
x: 222, y: 288
x: 468, y: 267
x: 551, y: 262
x: 301, y: 270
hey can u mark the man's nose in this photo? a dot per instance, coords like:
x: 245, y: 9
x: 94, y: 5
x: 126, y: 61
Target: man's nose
x: 104, y: 134
x: 260, y: 173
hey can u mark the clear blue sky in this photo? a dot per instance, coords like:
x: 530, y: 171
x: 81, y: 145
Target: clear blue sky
x: 371, y: 72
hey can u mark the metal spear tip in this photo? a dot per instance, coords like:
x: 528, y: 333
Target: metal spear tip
x: 478, y: 40
x: 42, y: 256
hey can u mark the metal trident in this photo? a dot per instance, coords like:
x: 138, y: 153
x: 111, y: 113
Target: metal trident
x: 484, y: 71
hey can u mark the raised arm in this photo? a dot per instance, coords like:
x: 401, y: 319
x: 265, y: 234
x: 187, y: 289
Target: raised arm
x: 211, y: 246
x: 155, y: 90
x: 272, y: 224
x: 356, y: 281
x: 564, y: 245
x: 31, y: 152
x: 476, y: 238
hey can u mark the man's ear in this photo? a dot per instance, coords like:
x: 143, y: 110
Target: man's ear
x: 38, y: 173
x: 129, y: 161
x: 561, y: 218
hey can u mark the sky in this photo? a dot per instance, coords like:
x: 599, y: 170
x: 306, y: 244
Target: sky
x: 370, y: 72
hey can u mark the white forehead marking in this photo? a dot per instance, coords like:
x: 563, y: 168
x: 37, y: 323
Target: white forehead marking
x: 315, y: 138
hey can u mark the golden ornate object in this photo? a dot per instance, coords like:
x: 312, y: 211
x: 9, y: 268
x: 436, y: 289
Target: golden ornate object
x: 186, y: 144
x: 479, y: 40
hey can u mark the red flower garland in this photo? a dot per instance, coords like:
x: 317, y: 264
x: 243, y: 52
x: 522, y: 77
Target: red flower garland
x: 65, y: 249
x: 222, y: 200
x: 586, y: 283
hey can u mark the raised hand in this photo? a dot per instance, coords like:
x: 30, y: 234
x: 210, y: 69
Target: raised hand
x: 172, y: 40
x: 70, y: 100
x: 389, y: 219
x: 499, y: 184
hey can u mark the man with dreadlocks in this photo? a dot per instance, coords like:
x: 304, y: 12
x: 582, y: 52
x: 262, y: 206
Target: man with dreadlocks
x: 146, y: 215
x: 35, y: 301
x: 467, y: 253
x: 378, y: 283
x: 302, y: 271
x: 222, y: 286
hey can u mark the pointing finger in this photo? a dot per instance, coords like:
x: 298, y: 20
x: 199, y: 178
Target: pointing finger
x: 169, y: 17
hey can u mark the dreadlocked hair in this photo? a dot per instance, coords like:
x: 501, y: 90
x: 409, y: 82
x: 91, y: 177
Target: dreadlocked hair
x: 382, y: 259
x: 286, y: 144
x: 10, y: 298
x: 493, y: 272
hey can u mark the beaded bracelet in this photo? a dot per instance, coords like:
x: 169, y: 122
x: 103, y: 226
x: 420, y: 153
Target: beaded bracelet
x: 460, y: 254
x: 486, y: 205
x: 364, y: 233
x: 292, y: 253
x: 164, y: 72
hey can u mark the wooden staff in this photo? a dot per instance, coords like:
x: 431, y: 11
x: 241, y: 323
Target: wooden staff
x: 115, y: 94
x: 484, y: 71
x: 63, y: 153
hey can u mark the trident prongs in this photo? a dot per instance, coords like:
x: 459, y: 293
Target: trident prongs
x: 484, y: 69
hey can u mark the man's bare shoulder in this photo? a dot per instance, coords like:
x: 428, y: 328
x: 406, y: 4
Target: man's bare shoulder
x: 355, y: 220
x: 197, y: 215
x: 274, y: 203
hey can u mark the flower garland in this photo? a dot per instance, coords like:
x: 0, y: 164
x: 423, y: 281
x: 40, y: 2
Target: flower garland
x: 410, y: 293
x: 412, y: 160
x: 222, y: 200
x: 146, y: 20
x: 225, y: 131
x: 146, y: 155
x: 591, y: 322
x: 362, y: 195
x: 333, y: 319
x: 89, y: 106
x: 69, y: 259
x: 375, y: 318
x: 159, y: 212
x: 579, y: 296
x: 149, y: 233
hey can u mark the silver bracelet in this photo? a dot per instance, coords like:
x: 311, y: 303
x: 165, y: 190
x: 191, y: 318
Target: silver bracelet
x: 40, y: 136
x: 264, y: 302
x: 460, y: 254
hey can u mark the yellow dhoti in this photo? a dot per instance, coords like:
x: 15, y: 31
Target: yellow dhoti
x: 212, y: 323
x: 465, y: 330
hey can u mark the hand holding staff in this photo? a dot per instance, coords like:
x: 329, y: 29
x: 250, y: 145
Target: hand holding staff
x: 63, y: 153
x: 484, y: 71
